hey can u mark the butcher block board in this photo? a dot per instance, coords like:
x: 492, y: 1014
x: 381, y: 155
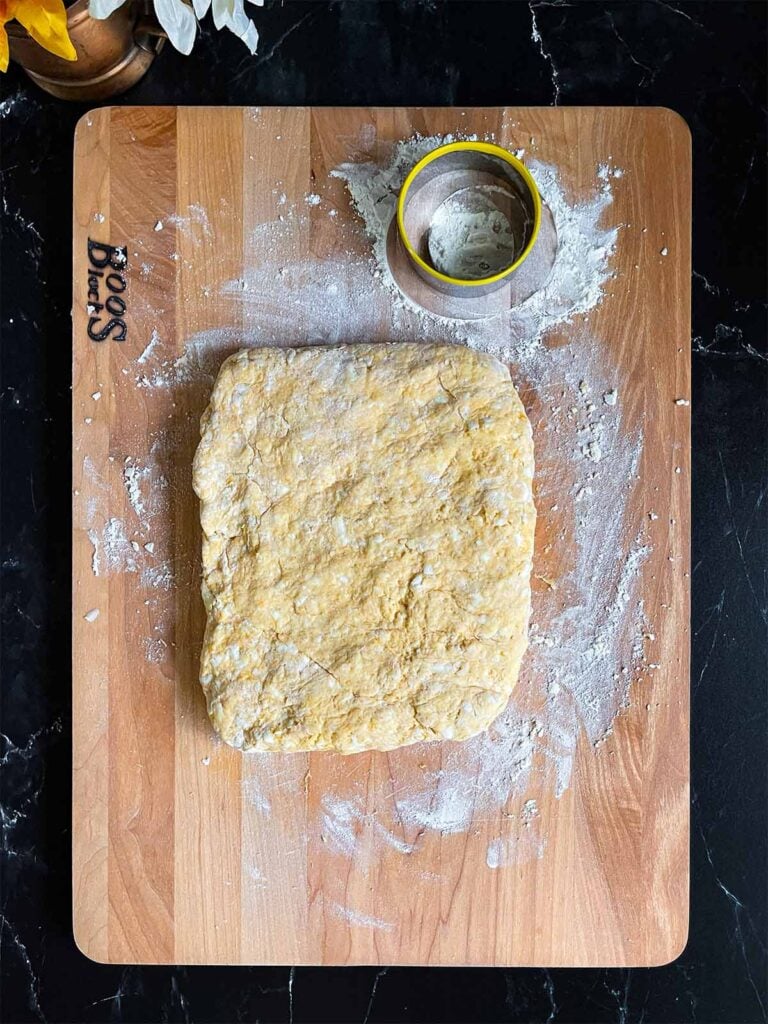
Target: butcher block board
x: 186, y: 851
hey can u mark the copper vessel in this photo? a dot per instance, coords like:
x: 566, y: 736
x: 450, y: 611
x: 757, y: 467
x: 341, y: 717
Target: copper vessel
x: 112, y: 55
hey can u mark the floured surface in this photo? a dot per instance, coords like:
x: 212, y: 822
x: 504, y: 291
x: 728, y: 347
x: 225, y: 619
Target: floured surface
x: 368, y: 533
x: 574, y: 804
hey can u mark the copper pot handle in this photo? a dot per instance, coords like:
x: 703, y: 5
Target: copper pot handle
x: 148, y: 32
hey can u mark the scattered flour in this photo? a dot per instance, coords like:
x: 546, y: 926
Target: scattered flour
x: 340, y: 825
x: 360, y: 920
x: 200, y: 360
x: 473, y: 781
x: 97, y: 501
x: 155, y: 649
x: 194, y: 222
x: 530, y: 811
x: 134, y: 476
x: 254, y: 793
x: 160, y: 577
x: 578, y: 670
x: 475, y: 778
x: 112, y: 550
x: 149, y: 351
x: 95, y: 538
x: 607, y: 171
x: 346, y: 823
x: 507, y: 851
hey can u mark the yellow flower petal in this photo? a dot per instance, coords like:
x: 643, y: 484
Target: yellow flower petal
x: 3, y: 48
x: 7, y: 10
x: 46, y: 22
x: 7, y: 13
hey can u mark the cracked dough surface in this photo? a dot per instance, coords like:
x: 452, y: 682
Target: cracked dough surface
x: 367, y: 543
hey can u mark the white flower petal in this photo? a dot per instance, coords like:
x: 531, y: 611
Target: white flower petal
x: 246, y: 31
x: 179, y: 22
x: 201, y: 7
x: 231, y: 14
x: 101, y: 9
x: 222, y: 12
x: 259, y: 3
x: 241, y: 25
x: 238, y: 20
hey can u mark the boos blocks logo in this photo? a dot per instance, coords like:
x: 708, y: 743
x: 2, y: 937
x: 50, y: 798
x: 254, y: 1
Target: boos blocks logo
x: 106, y: 284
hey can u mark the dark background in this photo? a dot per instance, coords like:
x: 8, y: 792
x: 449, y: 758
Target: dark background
x: 705, y: 60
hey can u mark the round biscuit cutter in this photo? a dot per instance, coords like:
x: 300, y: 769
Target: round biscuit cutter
x: 471, y: 237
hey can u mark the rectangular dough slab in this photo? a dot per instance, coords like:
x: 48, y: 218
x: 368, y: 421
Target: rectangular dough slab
x: 368, y: 532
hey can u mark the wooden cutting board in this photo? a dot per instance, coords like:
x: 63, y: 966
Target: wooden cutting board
x: 186, y: 851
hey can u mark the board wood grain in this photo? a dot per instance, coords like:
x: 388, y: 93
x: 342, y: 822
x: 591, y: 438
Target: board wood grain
x: 187, y: 851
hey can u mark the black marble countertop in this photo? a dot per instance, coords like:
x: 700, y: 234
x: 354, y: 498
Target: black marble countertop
x: 705, y: 60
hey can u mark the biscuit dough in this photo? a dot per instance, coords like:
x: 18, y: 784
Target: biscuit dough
x: 368, y: 532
